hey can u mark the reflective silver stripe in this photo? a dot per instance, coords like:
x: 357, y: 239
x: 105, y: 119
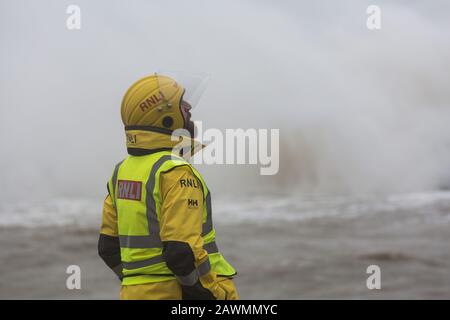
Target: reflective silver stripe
x: 151, y: 241
x: 211, y: 247
x: 152, y: 218
x: 114, y: 181
x: 204, y: 267
x: 208, y: 225
x: 190, y: 279
x: 142, y: 263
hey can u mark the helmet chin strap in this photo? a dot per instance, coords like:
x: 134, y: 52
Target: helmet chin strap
x: 168, y: 120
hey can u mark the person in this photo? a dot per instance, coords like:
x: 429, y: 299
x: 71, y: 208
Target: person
x: 157, y: 233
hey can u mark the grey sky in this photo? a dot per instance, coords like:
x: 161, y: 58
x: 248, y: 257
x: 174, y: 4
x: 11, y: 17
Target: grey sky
x: 358, y: 110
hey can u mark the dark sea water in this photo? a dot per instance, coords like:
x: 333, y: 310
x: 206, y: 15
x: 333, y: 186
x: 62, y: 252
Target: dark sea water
x: 283, y: 246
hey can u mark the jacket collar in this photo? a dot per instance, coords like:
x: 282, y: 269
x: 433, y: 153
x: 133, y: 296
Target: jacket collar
x: 142, y: 140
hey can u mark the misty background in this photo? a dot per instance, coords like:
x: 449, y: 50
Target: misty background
x: 359, y: 111
x: 364, y: 139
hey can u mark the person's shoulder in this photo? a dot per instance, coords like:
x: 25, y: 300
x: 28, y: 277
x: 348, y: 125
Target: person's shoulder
x: 181, y: 176
x: 183, y: 170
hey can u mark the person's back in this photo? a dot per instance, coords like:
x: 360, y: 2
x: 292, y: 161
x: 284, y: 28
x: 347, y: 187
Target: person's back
x: 157, y: 233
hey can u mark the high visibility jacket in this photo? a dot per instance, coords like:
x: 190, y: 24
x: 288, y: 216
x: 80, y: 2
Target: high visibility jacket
x: 137, y: 196
x: 157, y: 220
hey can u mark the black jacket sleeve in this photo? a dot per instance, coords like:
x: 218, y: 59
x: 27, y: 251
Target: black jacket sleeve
x: 109, y: 251
x: 180, y: 260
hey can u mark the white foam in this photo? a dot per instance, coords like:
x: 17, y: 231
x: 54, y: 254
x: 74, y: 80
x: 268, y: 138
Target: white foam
x: 304, y: 207
x: 228, y: 210
x: 56, y: 212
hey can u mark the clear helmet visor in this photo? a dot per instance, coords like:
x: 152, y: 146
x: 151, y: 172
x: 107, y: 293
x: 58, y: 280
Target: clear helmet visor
x: 194, y: 84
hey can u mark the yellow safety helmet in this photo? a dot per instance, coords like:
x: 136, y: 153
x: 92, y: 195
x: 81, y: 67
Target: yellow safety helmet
x: 154, y: 101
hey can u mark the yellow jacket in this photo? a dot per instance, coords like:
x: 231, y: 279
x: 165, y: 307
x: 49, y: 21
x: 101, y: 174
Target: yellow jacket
x: 180, y: 231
